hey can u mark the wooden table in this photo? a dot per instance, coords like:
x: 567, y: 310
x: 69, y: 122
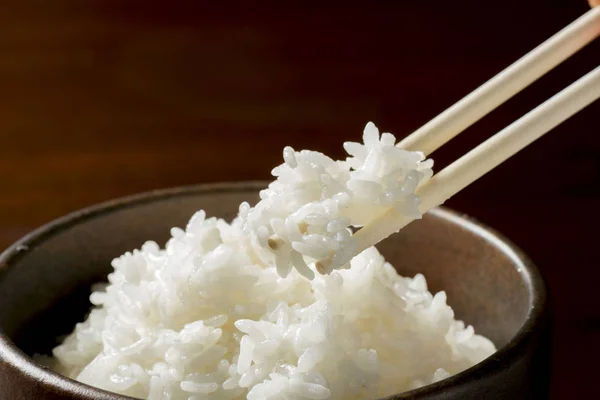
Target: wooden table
x: 105, y: 98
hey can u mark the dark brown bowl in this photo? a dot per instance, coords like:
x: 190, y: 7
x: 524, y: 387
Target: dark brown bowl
x: 45, y: 282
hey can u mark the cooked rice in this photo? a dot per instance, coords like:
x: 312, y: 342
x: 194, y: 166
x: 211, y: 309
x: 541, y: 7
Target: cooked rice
x: 231, y: 311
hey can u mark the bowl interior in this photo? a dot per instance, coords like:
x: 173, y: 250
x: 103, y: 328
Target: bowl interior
x: 45, y: 288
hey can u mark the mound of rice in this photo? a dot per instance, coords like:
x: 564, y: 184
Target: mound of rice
x: 236, y: 310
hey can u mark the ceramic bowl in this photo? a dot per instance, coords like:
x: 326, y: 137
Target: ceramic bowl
x: 45, y: 282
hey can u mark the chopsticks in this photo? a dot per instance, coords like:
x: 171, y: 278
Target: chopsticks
x: 505, y: 85
x: 486, y: 156
x: 505, y: 143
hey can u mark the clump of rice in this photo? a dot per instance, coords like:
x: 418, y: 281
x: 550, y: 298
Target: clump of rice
x: 232, y: 311
x: 307, y: 212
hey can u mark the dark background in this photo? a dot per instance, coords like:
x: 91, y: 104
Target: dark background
x: 100, y: 99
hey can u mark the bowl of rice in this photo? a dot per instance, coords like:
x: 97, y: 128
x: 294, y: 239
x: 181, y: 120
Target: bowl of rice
x: 46, y: 279
x: 268, y: 292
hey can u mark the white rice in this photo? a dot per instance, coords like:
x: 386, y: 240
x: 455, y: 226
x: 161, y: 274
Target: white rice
x: 232, y: 311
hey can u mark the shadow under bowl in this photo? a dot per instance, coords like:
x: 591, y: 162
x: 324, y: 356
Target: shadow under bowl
x: 45, y: 281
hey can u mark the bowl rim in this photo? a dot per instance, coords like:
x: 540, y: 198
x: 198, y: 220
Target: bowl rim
x: 534, y: 283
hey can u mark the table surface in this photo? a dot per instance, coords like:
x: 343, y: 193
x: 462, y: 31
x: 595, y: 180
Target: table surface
x: 105, y: 98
